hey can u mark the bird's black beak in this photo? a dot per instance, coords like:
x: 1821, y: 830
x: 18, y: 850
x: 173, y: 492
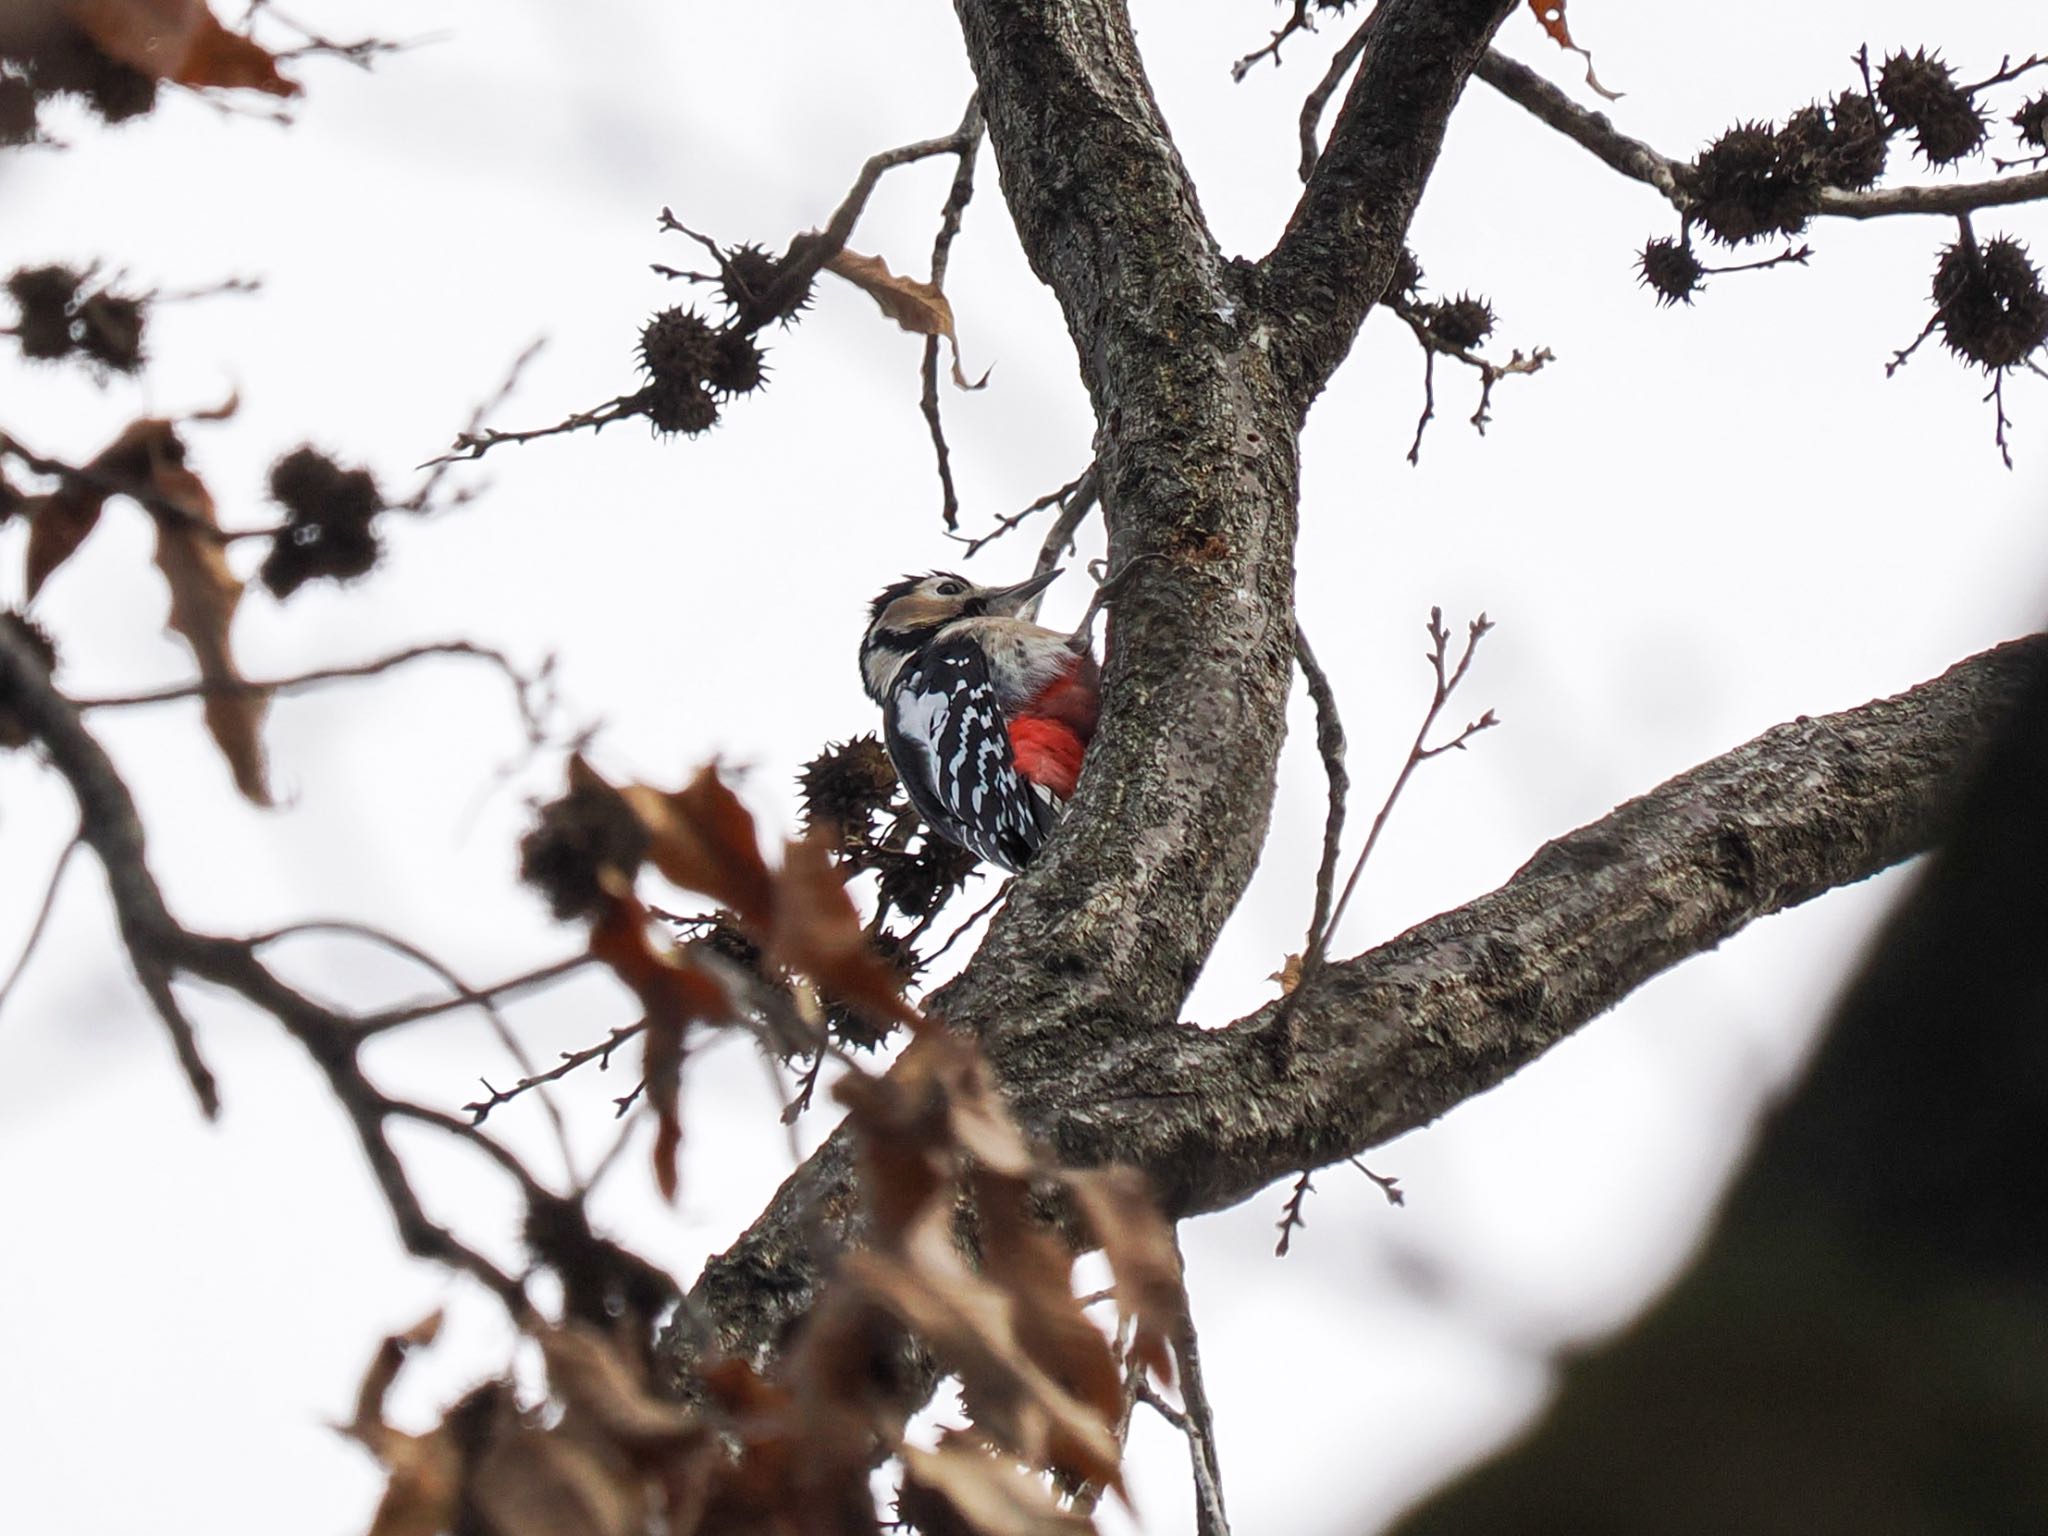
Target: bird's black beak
x: 1006, y: 601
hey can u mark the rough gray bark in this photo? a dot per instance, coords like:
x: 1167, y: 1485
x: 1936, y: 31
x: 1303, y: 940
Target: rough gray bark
x: 1200, y: 371
x: 1339, y: 249
x: 1392, y: 1039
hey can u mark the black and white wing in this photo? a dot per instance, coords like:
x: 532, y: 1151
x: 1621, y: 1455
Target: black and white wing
x: 951, y: 746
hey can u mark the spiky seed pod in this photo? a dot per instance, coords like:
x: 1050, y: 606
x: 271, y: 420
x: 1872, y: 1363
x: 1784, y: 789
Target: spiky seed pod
x: 577, y: 839
x: 845, y: 786
x: 312, y: 486
x: 1671, y: 268
x: 1989, y: 302
x: 1842, y: 146
x: 678, y: 346
x: 330, y: 522
x: 1748, y: 187
x: 44, y: 296
x: 854, y: 1029
x: 678, y: 406
x: 916, y: 883
x: 1407, y: 278
x: 1856, y: 147
x: 20, y: 627
x: 1921, y: 95
x: 737, y: 368
x: 745, y: 274
x: 729, y: 941
x: 1805, y: 132
x: 17, y: 110
x: 1463, y: 322
x: 110, y: 330
x: 750, y: 283
x: 2032, y: 121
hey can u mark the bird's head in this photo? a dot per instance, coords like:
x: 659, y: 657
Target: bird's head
x: 907, y: 615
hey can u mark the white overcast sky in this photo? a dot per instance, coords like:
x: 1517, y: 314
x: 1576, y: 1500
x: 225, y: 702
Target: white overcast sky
x: 1696, y: 524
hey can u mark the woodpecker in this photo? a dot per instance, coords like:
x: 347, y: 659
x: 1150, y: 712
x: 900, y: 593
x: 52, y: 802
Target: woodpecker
x: 986, y: 715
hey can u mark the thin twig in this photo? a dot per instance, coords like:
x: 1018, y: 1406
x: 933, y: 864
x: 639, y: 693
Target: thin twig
x: 470, y: 997
x: 629, y: 1124
x: 1089, y: 1494
x: 1298, y: 22
x: 217, y: 687
x: 1447, y: 680
x: 1011, y: 520
x: 422, y: 498
x: 1796, y: 256
x: 474, y: 445
x: 974, y: 917
x: 2006, y: 71
x: 363, y: 53
x: 1330, y: 746
x: 1319, y: 99
x: 1059, y: 538
x: 1490, y: 373
x: 479, y: 1110
x: 427, y: 961
x: 970, y: 134
x: 225, y: 285
x: 1390, y: 1187
x: 35, y: 932
x: 1428, y: 395
x: 1200, y: 1427
x: 1291, y: 1218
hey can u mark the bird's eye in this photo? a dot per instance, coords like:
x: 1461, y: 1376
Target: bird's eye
x: 950, y: 589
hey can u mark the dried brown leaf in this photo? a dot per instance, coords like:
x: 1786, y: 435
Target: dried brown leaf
x: 905, y: 1144
x: 178, y: 40
x: 596, y: 1382
x: 915, y: 305
x: 204, y: 596
x: 383, y: 1370
x: 968, y: 1323
x: 675, y: 995
x: 423, y: 1492
x: 704, y: 840
x: 58, y: 524
x: 981, y: 1120
x: 425, y: 1470
x: 961, y: 1489
x: 1550, y: 15
x: 532, y: 1482
x: 1033, y: 1264
x: 1138, y: 1241
x: 818, y: 932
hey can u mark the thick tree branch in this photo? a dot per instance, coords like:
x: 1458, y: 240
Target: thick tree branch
x: 1589, y: 129
x: 1400, y: 1035
x: 1884, y: 1240
x: 1339, y: 249
x: 160, y: 948
x: 1592, y: 131
x: 1196, y: 470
